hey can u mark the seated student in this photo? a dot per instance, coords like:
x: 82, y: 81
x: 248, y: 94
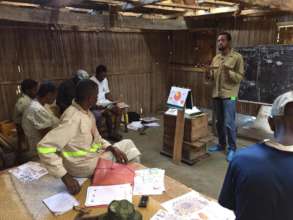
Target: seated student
x: 105, y: 106
x: 29, y: 90
x: 74, y: 147
x: 66, y: 90
x: 259, y: 180
x: 38, y: 120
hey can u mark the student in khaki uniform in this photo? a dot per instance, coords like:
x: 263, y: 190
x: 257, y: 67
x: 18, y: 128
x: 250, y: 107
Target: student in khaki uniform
x: 37, y: 120
x: 226, y: 72
x: 29, y: 89
x: 74, y: 147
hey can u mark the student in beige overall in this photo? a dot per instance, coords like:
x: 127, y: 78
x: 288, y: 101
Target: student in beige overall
x: 74, y: 147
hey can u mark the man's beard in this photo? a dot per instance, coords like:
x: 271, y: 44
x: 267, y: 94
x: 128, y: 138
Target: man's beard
x: 221, y: 48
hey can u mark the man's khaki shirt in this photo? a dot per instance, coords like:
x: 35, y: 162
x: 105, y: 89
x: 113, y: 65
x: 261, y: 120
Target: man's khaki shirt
x: 227, y: 73
x: 74, y: 145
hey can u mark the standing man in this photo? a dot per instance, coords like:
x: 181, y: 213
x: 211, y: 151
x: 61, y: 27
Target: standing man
x: 226, y: 72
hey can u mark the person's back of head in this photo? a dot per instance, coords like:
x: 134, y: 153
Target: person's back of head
x: 86, y: 93
x: 29, y: 87
x: 47, y: 92
x: 80, y: 75
x: 281, y: 120
x: 258, y: 183
x: 101, y: 72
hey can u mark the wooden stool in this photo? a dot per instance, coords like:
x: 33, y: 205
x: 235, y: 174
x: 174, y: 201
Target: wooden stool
x: 124, y: 120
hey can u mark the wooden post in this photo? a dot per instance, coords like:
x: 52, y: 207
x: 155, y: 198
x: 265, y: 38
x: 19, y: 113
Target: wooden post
x: 179, y: 133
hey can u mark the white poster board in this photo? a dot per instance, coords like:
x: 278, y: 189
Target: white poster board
x: 177, y: 97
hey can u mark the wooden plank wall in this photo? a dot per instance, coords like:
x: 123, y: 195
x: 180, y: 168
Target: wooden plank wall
x: 188, y: 49
x: 199, y: 47
x: 141, y: 64
x: 136, y: 61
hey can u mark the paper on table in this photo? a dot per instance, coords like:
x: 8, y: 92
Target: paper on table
x: 149, y: 182
x: 186, y: 205
x: 29, y: 171
x: 171, y: 111
x: 214, y: 211
x: 192, y: 111
x: 188, y: 112
x: 192, y: 205
x: 61, y: 203
x: 104, y: 195
x: 164, y: 215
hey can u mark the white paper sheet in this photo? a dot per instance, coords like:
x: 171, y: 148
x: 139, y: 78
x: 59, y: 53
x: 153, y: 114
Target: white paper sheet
x: 192, y: 111
x: 193, y: 206
x: 149, y: 182
x: 104, y: 195
x: 152, y: 125
x: 61, y: 203
x: 135, y: 125
x: 149, y: 119
x: 214, y: 211
x: 29, y: 172
x: 81, y: 180
x: 164, y: 215
x: 188, y: 112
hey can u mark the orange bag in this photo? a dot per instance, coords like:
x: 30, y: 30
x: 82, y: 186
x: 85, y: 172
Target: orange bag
x: 110, y: 173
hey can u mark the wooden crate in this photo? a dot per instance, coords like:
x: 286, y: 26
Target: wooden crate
x: 194, y: 129
x: 191, y: 152
x: 194, y: 140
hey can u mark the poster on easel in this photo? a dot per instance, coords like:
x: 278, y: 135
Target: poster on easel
x: 179, y: 97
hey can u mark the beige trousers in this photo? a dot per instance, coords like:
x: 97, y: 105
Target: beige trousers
x: 87, y: 168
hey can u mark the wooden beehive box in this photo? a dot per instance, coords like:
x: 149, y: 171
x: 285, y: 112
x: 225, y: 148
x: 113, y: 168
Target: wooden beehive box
x: 195, y: 135
x: 194, y: 129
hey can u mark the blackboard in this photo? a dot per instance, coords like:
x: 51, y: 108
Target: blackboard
x: 268, y: 72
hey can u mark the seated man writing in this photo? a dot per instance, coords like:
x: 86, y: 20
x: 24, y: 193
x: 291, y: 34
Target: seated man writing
x: 106, y: 106
x: 259, y: 180
x: 74, y: 147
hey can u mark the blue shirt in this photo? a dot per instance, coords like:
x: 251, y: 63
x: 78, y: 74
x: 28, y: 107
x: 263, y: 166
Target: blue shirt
x: 259, y: 184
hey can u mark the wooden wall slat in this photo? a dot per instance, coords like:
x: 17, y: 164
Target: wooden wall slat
x: 191, y: 48
x: 136, y: 61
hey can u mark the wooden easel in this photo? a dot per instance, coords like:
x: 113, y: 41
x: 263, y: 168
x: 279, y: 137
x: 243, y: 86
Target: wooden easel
x: 185, y: 99
x: 179, y: 133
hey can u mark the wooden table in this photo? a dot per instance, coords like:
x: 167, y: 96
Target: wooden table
x: 11, y: 206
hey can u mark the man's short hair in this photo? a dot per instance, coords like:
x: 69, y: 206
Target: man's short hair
x: 28, y: 84
x: 228, y: 35
x: 85, y: 89
x: 46, y: 88
x: 100, y: 69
